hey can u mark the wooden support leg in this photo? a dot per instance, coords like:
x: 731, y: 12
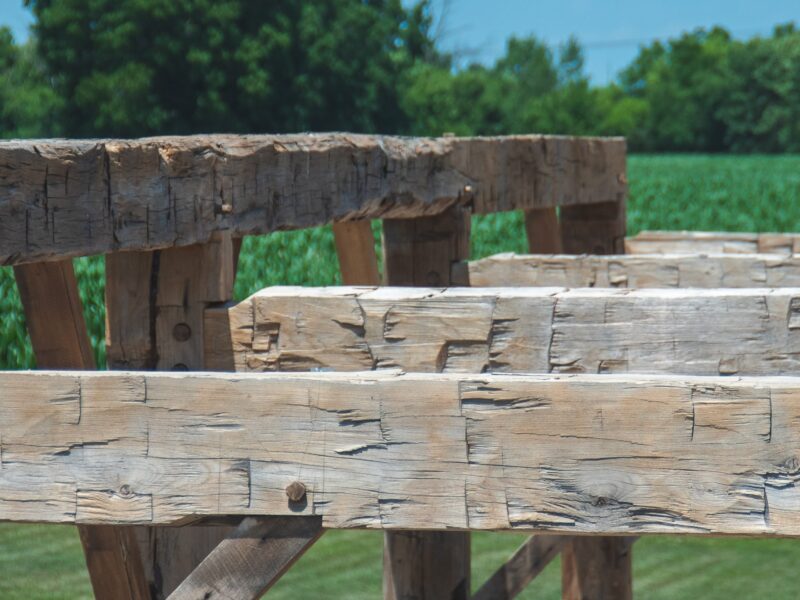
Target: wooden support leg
x: 595, y: 568
x: 154, y: 309
x: 57, y: 328
x: 543, y: 231
x: 355, y: 247
x: 251, y: 559
x: 425, y: 565
x: 528, y: 561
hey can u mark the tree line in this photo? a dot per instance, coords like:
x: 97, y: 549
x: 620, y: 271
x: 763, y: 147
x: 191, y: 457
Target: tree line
x: 130, y: 69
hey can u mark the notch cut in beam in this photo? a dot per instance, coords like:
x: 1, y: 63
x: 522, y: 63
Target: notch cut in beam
x: 637, y: 270
x: 518, y: 330
x: 61, y: 198
x: 591, y: 454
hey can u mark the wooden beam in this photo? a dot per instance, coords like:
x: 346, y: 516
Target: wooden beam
x: 696, y: 242
x: 520, y: 330
x: 524, y: 566
x: 425, y: 564
x: 154, y: 305
x: 355, y: 247
x: 576, y: 454
x: 595, y: 558
x: 637, y: 271
x: 57, y: 328
x: 593, y: 229
x: 543, y: 231
x: 251, y: 559
x: 79, y: 197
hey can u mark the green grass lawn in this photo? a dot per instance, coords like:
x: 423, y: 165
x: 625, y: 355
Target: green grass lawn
x: 722, y: 193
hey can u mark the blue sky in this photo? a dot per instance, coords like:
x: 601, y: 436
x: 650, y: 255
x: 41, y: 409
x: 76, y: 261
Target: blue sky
x: 611, y: 30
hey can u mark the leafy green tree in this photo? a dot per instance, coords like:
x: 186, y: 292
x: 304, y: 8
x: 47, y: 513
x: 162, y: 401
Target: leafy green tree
x: 180, y: 66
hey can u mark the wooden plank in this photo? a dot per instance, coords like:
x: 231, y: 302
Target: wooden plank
x: 420, y: 564
x: 577, y: 454
x: 752, y: 331
x: 595, y: 558
x: 543, y: 231
x: 527, y: 562
x: 61, y: 198
x: 57, y: 328
x: 637, y: 271
x: 155, y: 304
x: 251, y: 559
x: 695, y: 242
x: 355, y: 247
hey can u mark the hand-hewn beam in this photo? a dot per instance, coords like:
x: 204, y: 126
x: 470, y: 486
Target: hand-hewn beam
x: 57, y: 328
x: 251, y: 559
x: 588, y: 454
x: 355, y: 248
x: 637, y: 271
x: 528, y: 561
x: 520, y: 330
x: 76, y: 197
x: 695, y: 242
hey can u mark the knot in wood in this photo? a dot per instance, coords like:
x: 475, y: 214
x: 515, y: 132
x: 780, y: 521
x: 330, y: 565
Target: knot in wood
x: 296, y: 491
x: 181, y: 332
x: 125, y: 490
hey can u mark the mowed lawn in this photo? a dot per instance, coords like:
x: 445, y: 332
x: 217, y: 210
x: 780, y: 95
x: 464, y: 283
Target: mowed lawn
x: 723, y: 193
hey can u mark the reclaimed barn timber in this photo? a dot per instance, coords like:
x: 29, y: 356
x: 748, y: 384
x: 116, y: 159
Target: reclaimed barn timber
x: 524, y: 566
x: 426, y: 564
x: 155, y: 302
x: 543, y: 231
x: 61, y: 198
x: 57, y: 328
x: 580, y: 454
x: 355, y: 248
x: 519, y: 330
x: 251, y: 559
x: 695, y: 242
x: 637, y: 271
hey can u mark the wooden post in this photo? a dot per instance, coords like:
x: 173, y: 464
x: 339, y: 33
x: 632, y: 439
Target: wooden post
x: 154, y: 309
x: 435, y: 564
x: 54, y: 316
x: 543, y: 231
x: 355, y: 248
x: 595, y: 568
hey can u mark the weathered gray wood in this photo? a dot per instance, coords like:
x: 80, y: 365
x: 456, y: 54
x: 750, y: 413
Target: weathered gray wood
x: 62, y: 198
x: 57, y: 328
x: 637, y: 271
x: 426, y: 565
x: 590, y: 454
x: 694, y: 242
x: 703, y: 332
x: 250, y: 560
x: 528, y: 561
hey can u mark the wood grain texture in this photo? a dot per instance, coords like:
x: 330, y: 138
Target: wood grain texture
x: 543, y: 231
x: 355, y: 248
x: 593, y: 229
x: 583, y: 454
x: 426, y: 565
x: 695, y: 242
x: 637, y: 271
x: 57, y: 328
x: 524, y: 566
x: 155, y: 302
x: 595, y: 558
x: 251, y: 559
x: 754, y: 331
x: 61, y: 198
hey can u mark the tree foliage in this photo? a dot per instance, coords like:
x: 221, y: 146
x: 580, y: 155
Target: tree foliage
x: 140, y: 67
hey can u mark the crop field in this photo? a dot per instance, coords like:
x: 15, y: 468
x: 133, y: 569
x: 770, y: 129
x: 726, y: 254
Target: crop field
x: 712, y: 193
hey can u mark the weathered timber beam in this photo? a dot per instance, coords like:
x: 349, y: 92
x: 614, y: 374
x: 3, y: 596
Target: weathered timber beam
x: 694, y: 242
x: 251, y: 559
x: 62, y: 198
x: 583, y: 454
x: 637, y: 270
x: 524, y: 566
x: 753, y: 331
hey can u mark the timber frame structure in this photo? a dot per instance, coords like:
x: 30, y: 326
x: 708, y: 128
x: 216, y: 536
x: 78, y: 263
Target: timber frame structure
x: 597, y: 390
